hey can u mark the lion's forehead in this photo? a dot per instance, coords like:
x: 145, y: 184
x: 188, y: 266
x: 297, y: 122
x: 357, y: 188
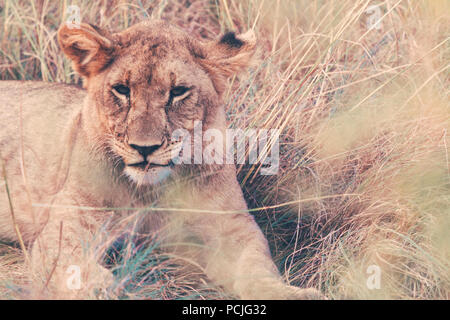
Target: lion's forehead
x: 155, y: 52
x: 146, y: 69
x: 155, y: 38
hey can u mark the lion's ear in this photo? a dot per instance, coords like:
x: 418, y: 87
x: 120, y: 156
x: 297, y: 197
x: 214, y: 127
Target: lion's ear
x: 89, y: 48
x: 229, y: 55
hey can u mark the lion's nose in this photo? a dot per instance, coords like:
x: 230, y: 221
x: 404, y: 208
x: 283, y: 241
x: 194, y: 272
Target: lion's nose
x: 145, y: 151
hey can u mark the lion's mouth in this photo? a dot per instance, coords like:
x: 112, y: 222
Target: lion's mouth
x: 145, y: 165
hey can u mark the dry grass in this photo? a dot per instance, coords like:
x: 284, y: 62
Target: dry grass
x: 364, y: 176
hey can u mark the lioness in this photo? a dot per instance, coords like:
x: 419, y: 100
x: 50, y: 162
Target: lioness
x: 69, y: 152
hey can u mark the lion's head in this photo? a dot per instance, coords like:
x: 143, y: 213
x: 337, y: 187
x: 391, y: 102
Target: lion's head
x: 147, y: 81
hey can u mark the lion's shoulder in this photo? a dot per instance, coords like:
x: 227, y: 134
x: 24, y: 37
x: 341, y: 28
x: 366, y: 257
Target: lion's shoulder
x: 13, y: 90
x: 37, y: 98
x: 35, y: 113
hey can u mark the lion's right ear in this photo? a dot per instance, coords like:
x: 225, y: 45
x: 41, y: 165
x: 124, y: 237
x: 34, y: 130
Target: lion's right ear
x: 89, y: 48
x: 229, y: 55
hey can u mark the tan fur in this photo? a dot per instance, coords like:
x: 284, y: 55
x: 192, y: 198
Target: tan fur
x: 67, y: 149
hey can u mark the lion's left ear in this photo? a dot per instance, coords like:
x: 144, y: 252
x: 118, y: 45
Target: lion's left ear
x: 228, y: 56
x: 89, y: 47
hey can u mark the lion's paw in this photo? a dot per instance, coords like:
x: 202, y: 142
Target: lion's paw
x: 295, y: 293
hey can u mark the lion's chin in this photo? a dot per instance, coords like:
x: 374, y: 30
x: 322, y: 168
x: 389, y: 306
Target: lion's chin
x: 151, y: 176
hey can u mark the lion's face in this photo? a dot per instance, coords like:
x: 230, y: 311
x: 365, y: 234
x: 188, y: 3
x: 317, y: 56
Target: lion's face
x: 148, y: 81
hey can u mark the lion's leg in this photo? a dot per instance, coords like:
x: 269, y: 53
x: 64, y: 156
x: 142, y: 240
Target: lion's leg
x: 64, y: 261
x: 236, y: 253
x: 238, y: 258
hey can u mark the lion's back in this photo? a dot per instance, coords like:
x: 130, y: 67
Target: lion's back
x: 35, y: 108
x: 33, y: 117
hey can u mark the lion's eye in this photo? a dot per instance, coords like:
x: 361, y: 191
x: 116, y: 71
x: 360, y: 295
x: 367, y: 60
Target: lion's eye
x: 121, y: 89
x: 178, y: 91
